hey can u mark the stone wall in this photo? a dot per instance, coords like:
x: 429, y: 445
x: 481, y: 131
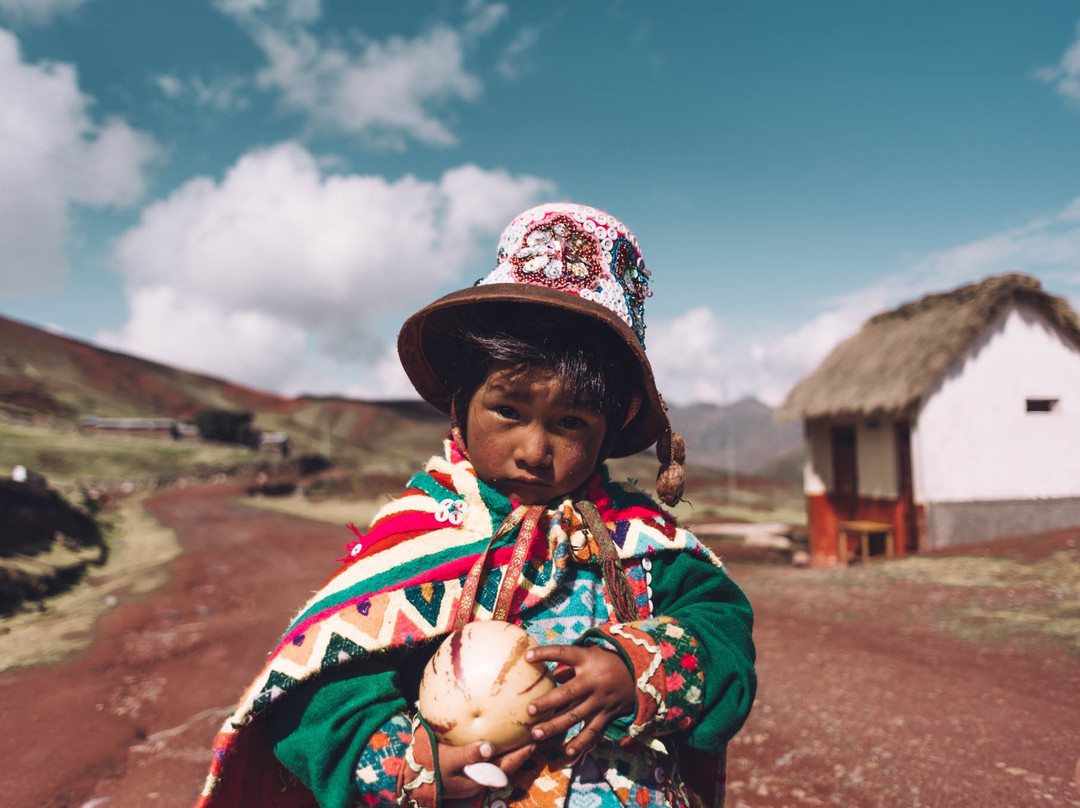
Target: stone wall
x: 951, y: 523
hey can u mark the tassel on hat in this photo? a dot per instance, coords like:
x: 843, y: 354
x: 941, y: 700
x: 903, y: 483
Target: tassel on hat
x: 671, y: 479
x: 671, y: 453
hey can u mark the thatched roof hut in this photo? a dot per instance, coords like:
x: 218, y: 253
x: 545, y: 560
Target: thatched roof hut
x: 898, y: 356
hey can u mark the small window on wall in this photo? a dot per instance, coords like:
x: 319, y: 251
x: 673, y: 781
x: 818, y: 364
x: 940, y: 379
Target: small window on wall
x: 1042, y: 404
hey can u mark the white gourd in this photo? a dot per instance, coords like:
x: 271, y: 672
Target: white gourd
x: 478, y: 685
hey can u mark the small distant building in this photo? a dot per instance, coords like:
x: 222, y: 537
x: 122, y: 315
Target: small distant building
x: 186, y: 432
x: 142, y: 427
x: 951, y: 419
x: 276, y: 442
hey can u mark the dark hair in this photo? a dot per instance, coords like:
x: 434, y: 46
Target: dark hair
x: 590, y: 360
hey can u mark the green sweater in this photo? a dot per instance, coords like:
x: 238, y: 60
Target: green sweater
x: 321, y: 729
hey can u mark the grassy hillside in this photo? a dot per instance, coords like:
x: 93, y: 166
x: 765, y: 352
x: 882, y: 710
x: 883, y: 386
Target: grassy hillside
x: 46, y: 373
x: 139, y: 548
x: 67, y: 457
x: 54, y: 381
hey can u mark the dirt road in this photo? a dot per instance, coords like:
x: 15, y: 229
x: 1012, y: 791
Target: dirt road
x: 131, y: 718
x: 860, y: 704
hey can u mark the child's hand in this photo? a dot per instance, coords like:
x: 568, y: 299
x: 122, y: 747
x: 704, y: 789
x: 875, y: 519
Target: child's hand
x: 596, y: 686
x: 454, y: 759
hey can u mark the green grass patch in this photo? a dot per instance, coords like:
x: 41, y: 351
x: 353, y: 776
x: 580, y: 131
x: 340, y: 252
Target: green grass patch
x: 1043, y: 605
x: 331, y: 511
x: 1055, y: 622
x: 139, y: 547
x: 692, y: 512
x: 67, y: 457
x: 1058, y: 573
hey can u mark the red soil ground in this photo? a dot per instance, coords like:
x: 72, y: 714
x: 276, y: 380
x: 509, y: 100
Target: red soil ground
x: 861, y: 703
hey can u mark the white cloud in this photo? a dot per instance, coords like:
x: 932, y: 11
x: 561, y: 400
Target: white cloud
x: 37, y: 11
x: 1048, y: 246
x: 684, y: 353
x: 170, y: 85
x: 294, y: 10
x: 239, y: 344
x: 222, y: 93
x: 277, y: 241
x: 1065, y: 75
x: 386, y: 379
x: 515, y: 59
x: 697, y: 357
x: 482, y: 18
x: 385, y: 92
x: 54, y: 156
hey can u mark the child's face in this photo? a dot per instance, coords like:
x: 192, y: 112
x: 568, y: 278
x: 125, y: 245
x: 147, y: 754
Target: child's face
x: 528, y: 439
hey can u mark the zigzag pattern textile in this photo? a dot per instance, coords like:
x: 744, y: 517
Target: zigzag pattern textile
x: 401, y: 584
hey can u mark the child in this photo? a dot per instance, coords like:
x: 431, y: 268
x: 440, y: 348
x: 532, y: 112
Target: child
x: 542, y: 370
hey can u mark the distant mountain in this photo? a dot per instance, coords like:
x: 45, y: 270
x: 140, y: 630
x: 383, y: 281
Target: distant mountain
x: 49, y: 377
x: 759, y: 441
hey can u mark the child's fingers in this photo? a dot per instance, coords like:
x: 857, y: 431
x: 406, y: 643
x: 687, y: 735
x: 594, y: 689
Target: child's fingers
x: 601, y: 687
x: 459, y: 786
x: 452, y: 763
x: 452, y: 759
x: 513, y: 760
x: 476, y: 752
x: 564, y: 654
x: 589, y: 737
x: 480, y: 751
x: 558, y: 699
x: 564, y: 674
x: 574, y: 713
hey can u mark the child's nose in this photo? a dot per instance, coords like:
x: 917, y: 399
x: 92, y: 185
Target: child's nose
x: 535, y: 448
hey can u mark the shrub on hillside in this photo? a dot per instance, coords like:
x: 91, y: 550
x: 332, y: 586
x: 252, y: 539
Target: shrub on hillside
x: 33, y: 519
x: 313, y: 463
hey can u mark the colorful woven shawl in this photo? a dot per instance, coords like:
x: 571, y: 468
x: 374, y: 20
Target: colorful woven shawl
x: 401, y: 584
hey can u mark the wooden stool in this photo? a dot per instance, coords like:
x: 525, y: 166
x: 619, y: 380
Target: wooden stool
x: 863, y: 529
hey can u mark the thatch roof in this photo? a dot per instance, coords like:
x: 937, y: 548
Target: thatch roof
x: 898, y: 356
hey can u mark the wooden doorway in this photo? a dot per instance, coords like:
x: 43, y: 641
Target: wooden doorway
x: 845, y: 471
x: 907, y: 533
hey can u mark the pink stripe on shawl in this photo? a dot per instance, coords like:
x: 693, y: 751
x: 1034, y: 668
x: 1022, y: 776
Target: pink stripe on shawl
x: 457, y: 568
x: 407, y: 522
x: 404, y: 522
x: 602, y: 500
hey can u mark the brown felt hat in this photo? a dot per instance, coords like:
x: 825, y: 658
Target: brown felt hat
x: 424, y: 345
x: 570, y: 257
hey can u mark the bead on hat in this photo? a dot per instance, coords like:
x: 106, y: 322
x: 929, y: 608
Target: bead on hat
x: 579, y: 250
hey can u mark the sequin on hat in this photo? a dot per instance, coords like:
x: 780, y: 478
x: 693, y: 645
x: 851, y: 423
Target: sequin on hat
x: 570, y: 257
x: 579, y: 250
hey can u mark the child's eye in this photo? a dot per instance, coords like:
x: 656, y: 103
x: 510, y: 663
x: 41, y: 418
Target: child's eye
x: 572, y: 422
x: 504, y: 411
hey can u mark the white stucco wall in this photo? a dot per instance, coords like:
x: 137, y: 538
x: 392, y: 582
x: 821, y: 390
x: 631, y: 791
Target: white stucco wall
x: 875, y: 448
x: 974, y: 440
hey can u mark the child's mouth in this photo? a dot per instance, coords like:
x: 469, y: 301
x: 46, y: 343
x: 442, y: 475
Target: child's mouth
x: 529, y: 481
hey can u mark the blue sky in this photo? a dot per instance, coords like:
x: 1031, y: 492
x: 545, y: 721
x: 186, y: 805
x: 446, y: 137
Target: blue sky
x: 265, y: 189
